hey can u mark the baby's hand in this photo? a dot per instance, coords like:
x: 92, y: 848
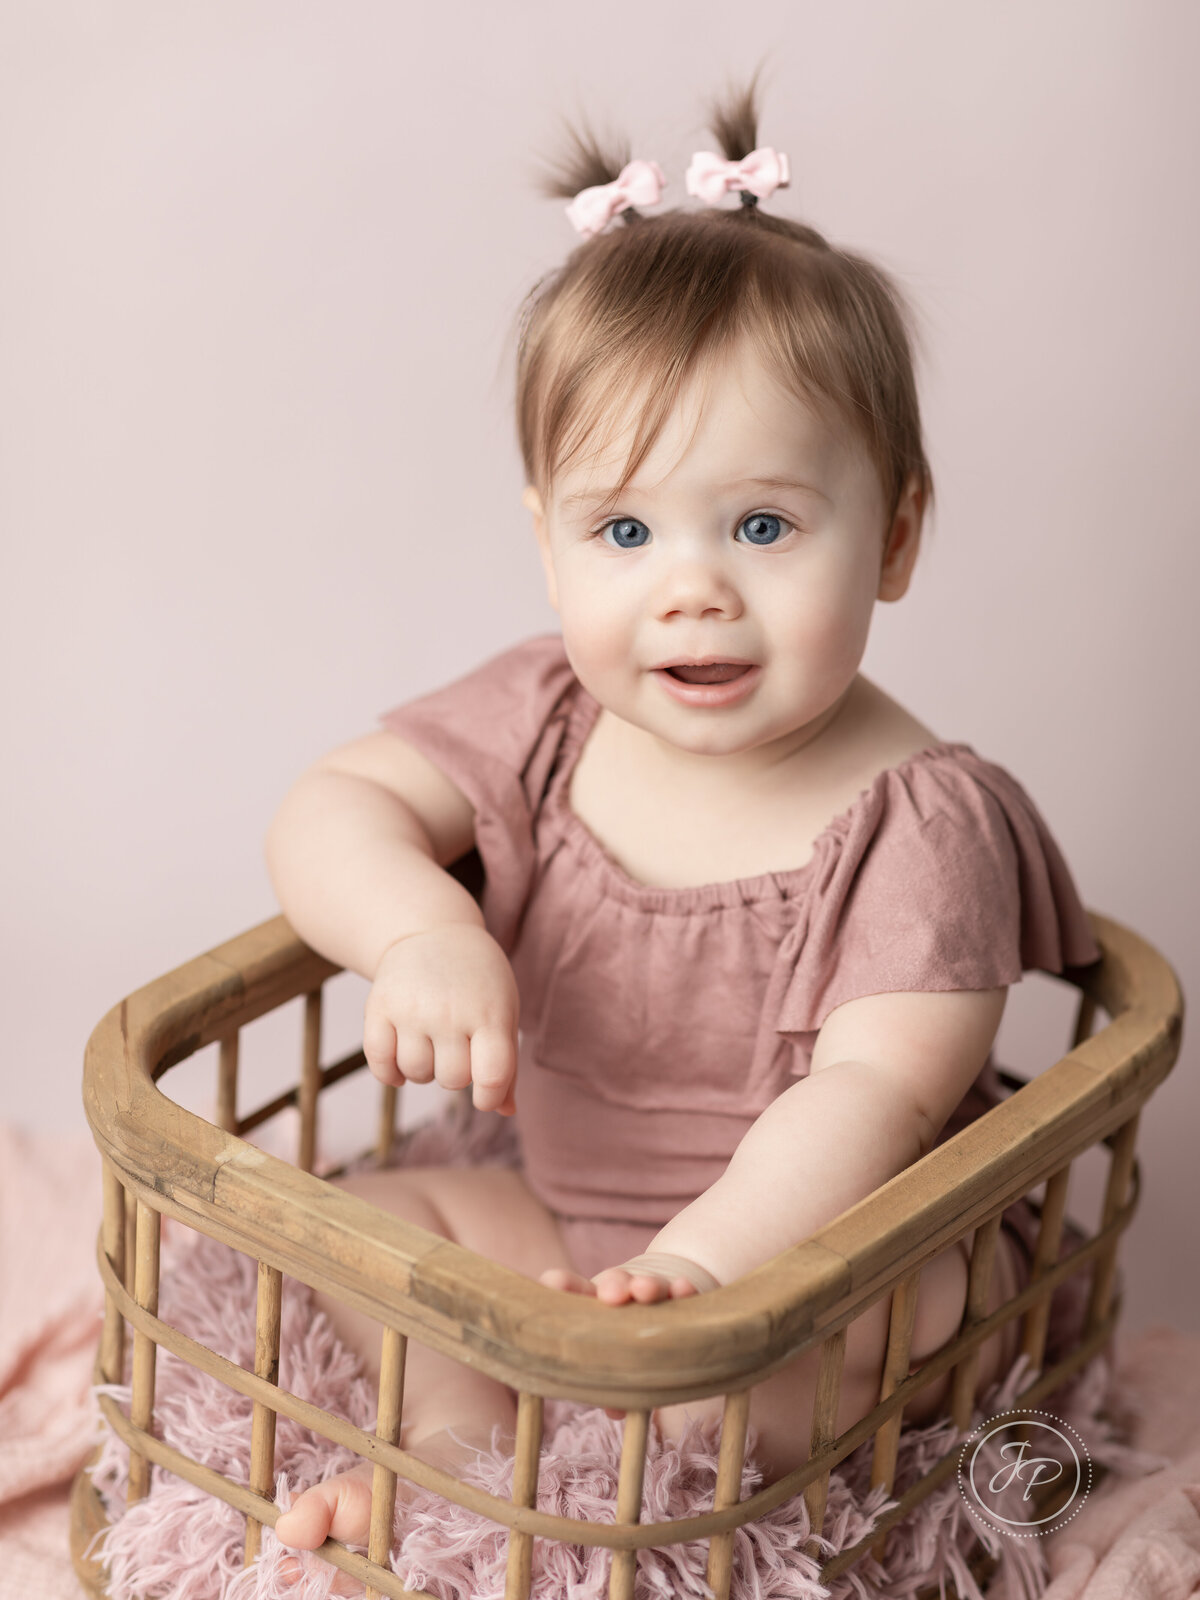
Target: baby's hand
x: 444, y: 1007
x: 646, y: 1278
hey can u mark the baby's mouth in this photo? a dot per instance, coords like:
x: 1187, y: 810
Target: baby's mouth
x: 715, y: 672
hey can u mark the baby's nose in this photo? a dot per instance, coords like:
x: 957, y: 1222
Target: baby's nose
x: 695, y: 586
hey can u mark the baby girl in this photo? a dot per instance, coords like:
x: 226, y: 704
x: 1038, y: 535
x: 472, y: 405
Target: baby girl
x: 756, y: 920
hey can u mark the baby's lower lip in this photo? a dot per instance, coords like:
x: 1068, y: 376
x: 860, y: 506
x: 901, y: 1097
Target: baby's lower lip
x: 709, y: 694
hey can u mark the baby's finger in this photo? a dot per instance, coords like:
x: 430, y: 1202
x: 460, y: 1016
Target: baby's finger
x: 414, y: 1056
x: 379, y: 1047
x: 452, y: 1060
x: 647, y: 1288
x: 615, y: 1286
x: 563, y: 1278
x: 493, y: 1066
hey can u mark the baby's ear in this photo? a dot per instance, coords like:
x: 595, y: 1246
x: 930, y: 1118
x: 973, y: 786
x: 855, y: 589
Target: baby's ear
x: 904, y: 540
x: 532, y: 501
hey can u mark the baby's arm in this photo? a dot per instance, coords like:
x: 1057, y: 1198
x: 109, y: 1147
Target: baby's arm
x: 356, y: 855
x: 887, y: 1071
x: 357, y: 849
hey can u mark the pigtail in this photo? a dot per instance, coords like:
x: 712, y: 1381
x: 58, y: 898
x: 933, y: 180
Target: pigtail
x: 588, y: 163
x: 733, y: 118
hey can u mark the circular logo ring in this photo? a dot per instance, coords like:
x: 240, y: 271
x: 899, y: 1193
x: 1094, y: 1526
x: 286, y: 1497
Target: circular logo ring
x: 1033, y: 1449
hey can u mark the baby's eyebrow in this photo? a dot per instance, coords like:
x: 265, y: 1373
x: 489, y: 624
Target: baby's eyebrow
x: 586, y: 497
x: 778, y: 483
x: 601, y: 496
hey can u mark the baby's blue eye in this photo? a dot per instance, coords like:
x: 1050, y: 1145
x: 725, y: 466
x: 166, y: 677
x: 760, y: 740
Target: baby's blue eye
x: 762, y: 528
x: 627, y: 533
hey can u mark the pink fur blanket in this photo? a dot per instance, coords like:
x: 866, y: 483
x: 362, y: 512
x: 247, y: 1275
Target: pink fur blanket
x: 49, y: 1323
x: 1138, y: 1537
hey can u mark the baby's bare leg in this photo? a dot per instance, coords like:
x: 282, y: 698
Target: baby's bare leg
x: 488, y: 1210
x: 781, y: 1407
x: 438, y: 1391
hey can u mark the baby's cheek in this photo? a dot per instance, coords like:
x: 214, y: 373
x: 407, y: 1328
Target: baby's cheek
x: 602, y: 653
x: 825, y: 644
x: 596, y: 638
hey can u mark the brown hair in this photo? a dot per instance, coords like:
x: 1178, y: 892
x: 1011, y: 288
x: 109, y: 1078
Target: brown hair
x: 634, y: 311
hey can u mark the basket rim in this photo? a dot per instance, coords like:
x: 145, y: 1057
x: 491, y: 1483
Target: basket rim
x: 180, y: 1164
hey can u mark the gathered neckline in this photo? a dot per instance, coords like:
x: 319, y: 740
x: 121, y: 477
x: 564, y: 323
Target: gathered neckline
x: 681, y: 899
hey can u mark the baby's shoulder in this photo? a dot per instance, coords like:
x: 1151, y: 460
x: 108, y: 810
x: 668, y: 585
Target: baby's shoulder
x: 879, y: 736
x: 925, y: 796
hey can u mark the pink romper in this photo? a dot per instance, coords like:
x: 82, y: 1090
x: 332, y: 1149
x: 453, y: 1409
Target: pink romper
x: 657, y: 1023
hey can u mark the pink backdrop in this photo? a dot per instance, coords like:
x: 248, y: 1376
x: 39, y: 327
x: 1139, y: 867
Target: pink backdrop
x: 260, y: 263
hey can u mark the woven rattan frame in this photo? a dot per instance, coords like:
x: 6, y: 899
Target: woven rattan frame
x: 162, y: 1160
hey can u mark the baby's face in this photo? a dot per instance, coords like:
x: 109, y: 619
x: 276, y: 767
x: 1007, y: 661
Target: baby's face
x: 752, y: 531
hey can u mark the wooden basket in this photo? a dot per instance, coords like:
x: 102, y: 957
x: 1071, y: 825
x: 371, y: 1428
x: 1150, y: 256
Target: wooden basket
x: 162, y: 1160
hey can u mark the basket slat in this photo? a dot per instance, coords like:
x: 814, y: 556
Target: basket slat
x: 310, y: 1081
x: 824, y: 1431
x: 630, y: 1482
x: 895, y: 1370
x: 735, y: 1420
x: 979, y: 1285
x: 388, y: 1101
x: 227, y: 1082
x: 112, y: 1346
x: 266, y: 1367
x: 518, y: 1578
x: 1037, y: 1318
x: 1119, y: 1174
x: 392, y: 1352
x: 141, y: 1411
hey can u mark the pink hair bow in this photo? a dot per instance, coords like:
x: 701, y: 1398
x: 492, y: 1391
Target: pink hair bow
x: 760, y: 173
x: 640, y: 183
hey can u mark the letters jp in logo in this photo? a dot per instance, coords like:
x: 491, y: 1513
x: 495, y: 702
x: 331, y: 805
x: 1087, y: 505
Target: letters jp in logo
x: 1026, y: 1473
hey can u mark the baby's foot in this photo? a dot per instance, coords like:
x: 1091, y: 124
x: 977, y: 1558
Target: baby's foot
x: 340, y: 1508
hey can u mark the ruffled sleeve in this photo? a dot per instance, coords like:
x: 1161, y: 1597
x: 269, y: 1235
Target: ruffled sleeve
x: 495, y: 733
x: 942, y: 876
